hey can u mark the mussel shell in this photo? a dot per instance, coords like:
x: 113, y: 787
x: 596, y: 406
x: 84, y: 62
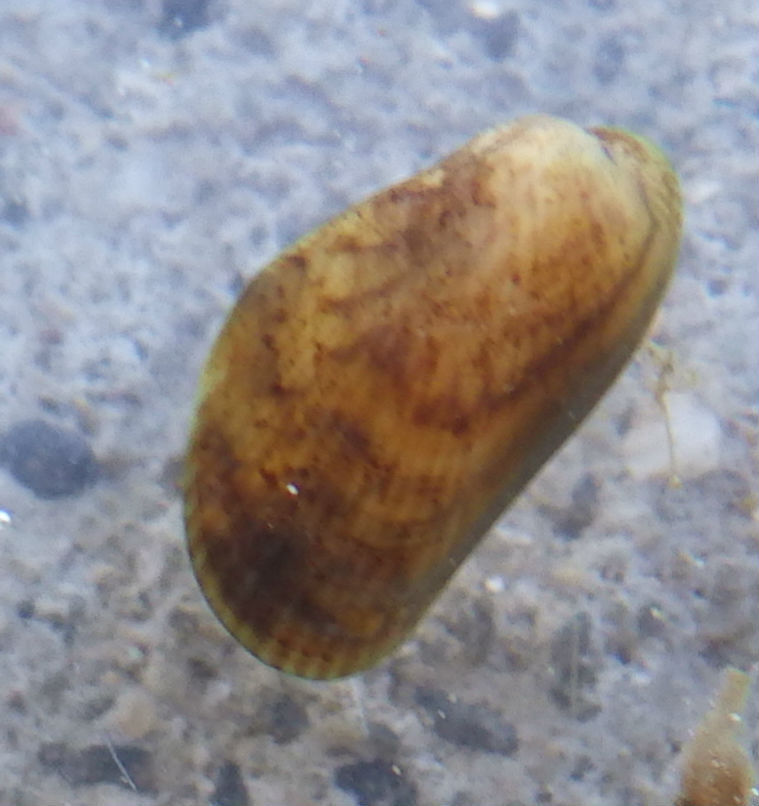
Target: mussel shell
x: 384, y: 388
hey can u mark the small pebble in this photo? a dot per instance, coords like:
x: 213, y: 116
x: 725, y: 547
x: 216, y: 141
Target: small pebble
x: 571, y: 521
x: 287, y: 720
x: 50, y: 461
x: 573, y: 665
x: 230, y: 789
x: 651, y: 621
x: 181, y: 17
x: 610, y: 59
x: 376, y: 783
x: 15, y: 212
x: 474, y: 628
x: 499, y: 34
x: 475, y: 727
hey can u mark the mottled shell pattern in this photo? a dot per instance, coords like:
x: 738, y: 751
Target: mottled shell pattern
x: 386, y: 386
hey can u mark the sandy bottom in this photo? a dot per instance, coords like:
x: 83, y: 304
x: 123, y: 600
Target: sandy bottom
x: 152, y: 156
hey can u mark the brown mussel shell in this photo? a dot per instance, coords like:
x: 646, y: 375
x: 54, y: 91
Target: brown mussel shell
x: 384, y: 388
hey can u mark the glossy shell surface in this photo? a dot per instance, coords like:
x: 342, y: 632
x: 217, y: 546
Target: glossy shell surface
x: 384, y: 388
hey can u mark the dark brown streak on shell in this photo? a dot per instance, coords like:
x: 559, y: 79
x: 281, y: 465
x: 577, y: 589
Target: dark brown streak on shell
x: 258, y: 561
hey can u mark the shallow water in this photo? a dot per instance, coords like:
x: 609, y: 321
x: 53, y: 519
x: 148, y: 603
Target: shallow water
x: 153, y: 156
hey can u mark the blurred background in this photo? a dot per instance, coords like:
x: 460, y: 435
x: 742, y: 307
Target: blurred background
x: 153, y: 155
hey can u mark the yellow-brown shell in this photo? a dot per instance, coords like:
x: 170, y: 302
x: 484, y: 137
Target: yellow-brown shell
x: 385, y: 387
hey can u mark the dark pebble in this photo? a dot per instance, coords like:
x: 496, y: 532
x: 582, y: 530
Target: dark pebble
x: 384, y: 740
x: 473, y: 626
x: 256, y: 41
x: 610, y: 60
x: 15, y: 212
x: 570, y: 522
x: 620, y: 633
x: 573, y: 663
x: 96, y: 765
x: 201, y: 672
x: 230, y: 789
x: 499, y: 35
x: 50, y: 461
x: 285, y: 719
x: 25, y: 608
x: 583, y: 766
x: 475, y: 727
x: 181, y: 17
x: 650, y: 621
x: 376, y: 783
